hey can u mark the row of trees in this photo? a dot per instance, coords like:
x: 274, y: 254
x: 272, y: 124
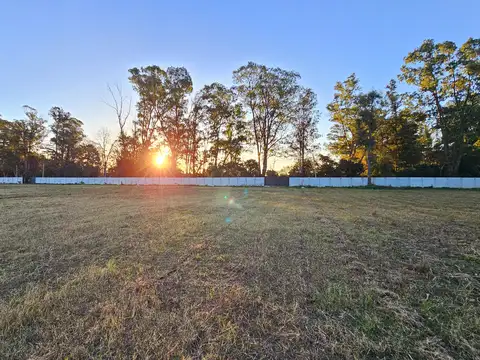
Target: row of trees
x: 209, y: 134
x: 23, y: 151
x: 432, y: 130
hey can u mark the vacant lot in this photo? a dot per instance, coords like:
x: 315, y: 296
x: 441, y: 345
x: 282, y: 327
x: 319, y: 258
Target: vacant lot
x: 184, y: 272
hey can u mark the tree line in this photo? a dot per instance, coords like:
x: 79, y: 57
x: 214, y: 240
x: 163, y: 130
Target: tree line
x: 433, y: 129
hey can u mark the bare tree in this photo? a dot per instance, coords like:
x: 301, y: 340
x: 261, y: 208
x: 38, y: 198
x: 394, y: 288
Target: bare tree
x: 106, y: 148
x: 122, y: 105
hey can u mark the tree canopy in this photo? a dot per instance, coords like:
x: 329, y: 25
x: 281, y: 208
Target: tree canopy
x: 431, y: 129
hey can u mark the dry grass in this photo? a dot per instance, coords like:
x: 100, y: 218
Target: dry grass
x: 189, y: 273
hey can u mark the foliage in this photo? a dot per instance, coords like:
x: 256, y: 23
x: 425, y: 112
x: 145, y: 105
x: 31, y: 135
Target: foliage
x: 305, y: 132
x: 433, y: 129
x: 269, y: 95
x: 323, y: 165
x: 447, y: 81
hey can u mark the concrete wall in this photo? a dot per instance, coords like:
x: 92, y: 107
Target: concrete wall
x: 436, y: 182
x: 232, y: 181
x: 11, y: 180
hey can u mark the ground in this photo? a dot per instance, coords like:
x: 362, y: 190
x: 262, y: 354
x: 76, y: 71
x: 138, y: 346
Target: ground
x: 141, y: 272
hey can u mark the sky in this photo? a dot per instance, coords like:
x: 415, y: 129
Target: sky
x: 65, y: 52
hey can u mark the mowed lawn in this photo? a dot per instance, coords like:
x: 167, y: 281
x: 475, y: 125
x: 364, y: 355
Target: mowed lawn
x: 132, y: 272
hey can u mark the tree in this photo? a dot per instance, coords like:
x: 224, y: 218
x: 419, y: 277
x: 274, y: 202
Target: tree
x: 448, y: 83
x: 8, y: 158
x: 173, y: 125
x: 88, y: 160
x: 162, y: 106
x: 269, y: 95
x: 235, y: 138
x: 194, y: 136
x: 306, y: 168
x: 106, y: 148
x: 27, y: 135
x: 223, y: 117
x: 398, y: 140
x: 369, y: 112
x: 149, y: 82
x: 67, y: 136
x: 252, y: 167
x: 122, y: 106
x: 305, y: 134
x: 344, y: 115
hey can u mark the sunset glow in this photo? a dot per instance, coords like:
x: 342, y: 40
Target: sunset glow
x: 160, y: 157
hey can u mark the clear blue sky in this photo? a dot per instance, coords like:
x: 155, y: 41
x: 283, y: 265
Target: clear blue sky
x: 65, y: 52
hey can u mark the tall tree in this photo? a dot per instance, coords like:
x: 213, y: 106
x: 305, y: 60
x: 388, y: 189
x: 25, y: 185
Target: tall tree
x: 162, y: 106
x: 173, y: 125
x: 448, y: 83
x: 218, y: 107
x: 67, y: 134
x: 27, y: 136
x: 122, y: 106
x: 269, y: 96
x: 369, y: 113
x: 8, y: 157
x: 106, y: 148
x: 344, y: 115
x: 149, y: 83
x: 399, y: 136
x: 88, y: 160
x: 305, y: 133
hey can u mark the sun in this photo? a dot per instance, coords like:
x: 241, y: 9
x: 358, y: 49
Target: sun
x: 160, y: 157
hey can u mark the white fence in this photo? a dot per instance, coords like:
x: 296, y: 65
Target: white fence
x: 11, y: 180
x: 436, y: 182
x: 203, y: 181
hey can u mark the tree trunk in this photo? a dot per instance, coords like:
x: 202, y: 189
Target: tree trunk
x: 369, y: 167
x: 265, y: 162
x: 302, y: 162
x: 174, y: 160
x: 259, y: 163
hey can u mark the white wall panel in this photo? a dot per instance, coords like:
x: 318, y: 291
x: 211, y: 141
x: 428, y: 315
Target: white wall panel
x: 454, y: 182
x: 468, y: 183
x: 259, y: 181
x: 209, y: 181
x: 241, y: 181
x: 428, y: 182
x: 325, y: 182
x: 404, y: 181
x: 416, y: 182
x: 335, y: 182
x: 292, y: 181
x: 345, y: 182
x: 224, y: 181
x: 11, y: 180
x: 441, y: 182
x: 358, y: 181
x: 379, y: 181
x: 438, y: 182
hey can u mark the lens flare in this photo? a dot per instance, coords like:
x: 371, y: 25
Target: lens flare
x: 161, y: 156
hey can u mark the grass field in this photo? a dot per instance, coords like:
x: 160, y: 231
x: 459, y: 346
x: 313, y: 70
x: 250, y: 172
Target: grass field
x: 184, y: 272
